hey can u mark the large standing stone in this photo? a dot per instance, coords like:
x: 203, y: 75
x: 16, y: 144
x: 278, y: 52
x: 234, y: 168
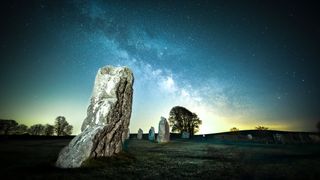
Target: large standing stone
x: 108, y: 116
x: 151, y: 135
x: 140, y: 134
x: 163, y: 132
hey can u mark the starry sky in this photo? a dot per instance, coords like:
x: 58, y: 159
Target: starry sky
x: 234, y: 63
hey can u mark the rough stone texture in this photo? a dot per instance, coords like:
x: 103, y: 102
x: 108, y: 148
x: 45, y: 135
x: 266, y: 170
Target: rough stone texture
x: 140, y: 134
x: 151, y: 135
x: 163, y: 132
x: 185, y: 135
x: 125, y: 135
x: 108, y: 116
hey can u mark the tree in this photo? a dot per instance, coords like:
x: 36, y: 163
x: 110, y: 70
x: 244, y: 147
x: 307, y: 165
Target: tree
x: 194, y: 124
x: 37, y: 129
x: 261, y: 128
x: 7, y: 126
x: 21, y: 129
x: 48, y: 130
x: 183, y: 120
x: 68, y: 130
x: 234, y: 129
x: 62, y: 127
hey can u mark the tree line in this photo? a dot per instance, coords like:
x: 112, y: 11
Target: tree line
x: 182, y: 120
x: 60, y: 128
x: 262, y: 128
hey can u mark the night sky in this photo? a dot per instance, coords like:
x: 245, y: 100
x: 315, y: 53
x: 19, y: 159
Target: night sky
x: 235, y: 64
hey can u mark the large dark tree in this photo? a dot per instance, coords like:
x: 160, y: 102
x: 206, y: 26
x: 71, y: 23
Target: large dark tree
x: 183, y: 120
x: 8, y: 126
x: 21, y: 129
x: 48, y: 130
x: 62, y: 127
x: 37, y: 129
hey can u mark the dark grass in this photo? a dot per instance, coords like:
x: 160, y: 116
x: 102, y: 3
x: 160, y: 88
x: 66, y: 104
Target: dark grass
x: 179, y: 159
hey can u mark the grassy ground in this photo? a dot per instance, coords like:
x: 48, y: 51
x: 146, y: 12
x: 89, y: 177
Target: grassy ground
x: 34, y: 159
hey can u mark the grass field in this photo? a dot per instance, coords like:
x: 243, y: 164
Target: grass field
x: 179, y: 159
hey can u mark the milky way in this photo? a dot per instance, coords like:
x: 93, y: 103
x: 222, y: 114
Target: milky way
x: 234, y: 64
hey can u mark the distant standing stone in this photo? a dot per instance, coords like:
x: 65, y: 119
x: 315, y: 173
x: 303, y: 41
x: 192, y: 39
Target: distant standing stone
x: 163, y: 132
x: 278, y: 138
x: 185, y: 135
x: 140, y: 134
x: 151, y: 135
x: 108, y: 116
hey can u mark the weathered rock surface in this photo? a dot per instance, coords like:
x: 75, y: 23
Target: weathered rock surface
x: 151, y: 135
x: 185, y: 135
x: 108, y: 116
x: 140, y: 134
x: 163, y: 132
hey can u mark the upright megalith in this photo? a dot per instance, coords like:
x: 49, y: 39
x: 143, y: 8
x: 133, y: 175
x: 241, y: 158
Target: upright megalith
x: 151, y: 135
x: 108, y: 116
x: 140, y: 134
x: 163, y: 132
